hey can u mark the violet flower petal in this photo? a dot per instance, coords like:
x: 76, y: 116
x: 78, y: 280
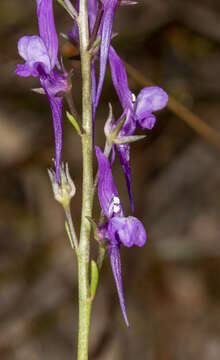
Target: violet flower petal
x: 128, y: 230
x: 107, y: 192
x: 33, y: 50
x: 52, y: 85
x: 106, y: 34
x: 147, y: 123
x: 114, y: 252
x: 124, y: 155
x: 56, y: 83
x: 92, y: 12
x: 23, y: 44
x: 40, y: 54
x: 56, y: 109
x: 119, y: 79
x: 23, y: 70
x: 149, y: 99
x: 47, y: 28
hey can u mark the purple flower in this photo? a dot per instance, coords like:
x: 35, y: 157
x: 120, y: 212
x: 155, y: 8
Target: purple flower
x: 118, y: 229
x: 40, y: 54
x: 138, y: 111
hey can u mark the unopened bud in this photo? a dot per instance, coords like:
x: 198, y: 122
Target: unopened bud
x: 64, y: 191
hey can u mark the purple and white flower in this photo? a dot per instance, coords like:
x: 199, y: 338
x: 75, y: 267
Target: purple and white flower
x: 138, y: 111
x: 118, y: 229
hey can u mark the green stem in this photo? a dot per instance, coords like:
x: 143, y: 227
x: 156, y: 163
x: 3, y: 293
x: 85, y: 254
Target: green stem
x: 71, y: 229
x: 85, y: 300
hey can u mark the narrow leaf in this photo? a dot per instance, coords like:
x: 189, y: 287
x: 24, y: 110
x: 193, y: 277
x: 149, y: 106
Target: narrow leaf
x: 74, y: 122
x: 94, y: 278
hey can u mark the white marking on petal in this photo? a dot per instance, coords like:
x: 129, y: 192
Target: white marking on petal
x: 133, y: 98
x: 116, y: 200
x: 116, y: 208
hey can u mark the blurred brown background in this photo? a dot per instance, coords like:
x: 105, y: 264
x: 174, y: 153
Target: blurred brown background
x: 172, y: 285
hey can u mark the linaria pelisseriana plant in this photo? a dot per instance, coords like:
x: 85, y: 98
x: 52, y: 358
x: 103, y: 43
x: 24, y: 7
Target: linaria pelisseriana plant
x: 92, y: 33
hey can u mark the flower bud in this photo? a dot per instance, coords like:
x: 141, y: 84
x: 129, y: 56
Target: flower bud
x: 65, y: 190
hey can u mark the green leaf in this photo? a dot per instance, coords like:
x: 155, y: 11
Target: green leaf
x: 94, y: 278
x: 74, y: 122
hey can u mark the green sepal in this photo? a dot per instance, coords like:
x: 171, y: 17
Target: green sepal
x: 114, y: 134
x: 129, y: 139
x: 74, y: 122
x: 94, y: 278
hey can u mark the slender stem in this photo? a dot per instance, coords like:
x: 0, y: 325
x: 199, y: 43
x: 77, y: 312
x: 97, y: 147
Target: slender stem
x: 72, y: 233
x: 85, y: 301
